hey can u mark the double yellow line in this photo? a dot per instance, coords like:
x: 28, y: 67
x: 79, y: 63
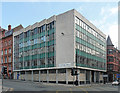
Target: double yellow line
x: 69, y: 89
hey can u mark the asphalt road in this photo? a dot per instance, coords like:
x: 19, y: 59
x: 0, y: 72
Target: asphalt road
x: 31, y: 87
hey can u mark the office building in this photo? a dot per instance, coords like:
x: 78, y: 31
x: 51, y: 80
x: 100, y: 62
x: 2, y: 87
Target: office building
x: 48, y: 50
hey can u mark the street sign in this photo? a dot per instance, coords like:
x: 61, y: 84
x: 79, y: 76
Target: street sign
x: 105, y: 75
x: 117, y: 75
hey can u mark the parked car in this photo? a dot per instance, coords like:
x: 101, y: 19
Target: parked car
x: 115, y: 82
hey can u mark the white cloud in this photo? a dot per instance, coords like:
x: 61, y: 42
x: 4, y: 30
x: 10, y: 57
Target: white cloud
x: 108, y: 10
x: 114, y: 10
x: 102, y: 11
x: 113, y: 32
x: 105, y: 24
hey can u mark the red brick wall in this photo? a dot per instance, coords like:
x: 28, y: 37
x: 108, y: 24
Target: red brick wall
x: 6, y: 44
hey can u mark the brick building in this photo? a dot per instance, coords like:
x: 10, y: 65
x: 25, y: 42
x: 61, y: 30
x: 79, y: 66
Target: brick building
x: 113, y: 61
x: 7, y: 49
x: 2, y: 31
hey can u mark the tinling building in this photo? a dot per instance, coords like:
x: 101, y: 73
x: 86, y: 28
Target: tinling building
x: 48, y: 50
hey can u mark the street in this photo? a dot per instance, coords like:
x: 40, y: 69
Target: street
x: 27, y: 86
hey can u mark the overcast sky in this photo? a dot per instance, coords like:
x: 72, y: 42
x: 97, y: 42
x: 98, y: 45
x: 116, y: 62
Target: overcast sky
x: 104, y: 15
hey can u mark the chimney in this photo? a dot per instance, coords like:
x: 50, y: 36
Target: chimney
x: 9, y: 27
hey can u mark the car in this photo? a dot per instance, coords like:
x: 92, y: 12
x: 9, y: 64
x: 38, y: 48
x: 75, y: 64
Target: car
x: 115, y: 82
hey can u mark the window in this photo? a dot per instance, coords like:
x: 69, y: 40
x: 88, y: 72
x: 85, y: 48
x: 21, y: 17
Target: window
x: 52, y: 25
x: 82, y: 71
x: 50, y: 61
x: 35, y: 31
x: 5, y: 59
x: 44, y: 28
x: 77, y: 33
x: 28, y: 33
x: 48, y: 27
x: 43, y: 71
x: 9, y: 59
x: 39, y: 30
x: 52, y: 71
x: 2, y: 52
x: 80, y: 23
x: 5, y: 43
x: 77, y: 46
x: 5, y: 51
x: 35, y: 41
x: 109, y: 51
x: 110, y: 59
x: 61, y: 70
x: 35, y: 63
x: 9, y: 50
x: 76, y: 20
x: 51, y: 48
x: 110, y: 66
x: 9, y: 42
x: 32, y: 32
x: 1, y: 59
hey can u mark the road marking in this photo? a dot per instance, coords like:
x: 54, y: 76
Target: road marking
x: 83, y: 90
x: 102, y: 88
x: 11, y: 89
x: 56, y: 91
x: 70, y: 90
x: 85, y: 86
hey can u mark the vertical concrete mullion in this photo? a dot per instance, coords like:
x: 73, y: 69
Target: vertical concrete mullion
x: 85, y: 77
x: 47, y: 76
x: 39, y: 75
x: 95, y: 77
x: 90, y: 76
x: 99, y: 77
x: 32, y: 75
x: 57, y: 76
x: 66, y: 76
